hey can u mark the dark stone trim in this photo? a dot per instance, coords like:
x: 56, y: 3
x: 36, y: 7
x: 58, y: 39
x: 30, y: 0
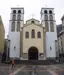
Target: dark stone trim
x: 16, y: 20
x: 17, y: 8
x: 47, y: 8
x: 47, y: 13
x: 18, y: 13
x: 49, y: 20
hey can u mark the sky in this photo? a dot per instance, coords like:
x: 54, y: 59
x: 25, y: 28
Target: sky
x: 31, y: 7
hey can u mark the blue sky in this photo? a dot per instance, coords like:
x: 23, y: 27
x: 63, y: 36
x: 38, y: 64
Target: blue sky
x: 30, y: 7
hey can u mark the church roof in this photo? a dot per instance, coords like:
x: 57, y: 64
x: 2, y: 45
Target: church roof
x: 32, y: 21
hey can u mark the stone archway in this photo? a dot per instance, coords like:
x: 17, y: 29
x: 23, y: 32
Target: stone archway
x: 33, y: 53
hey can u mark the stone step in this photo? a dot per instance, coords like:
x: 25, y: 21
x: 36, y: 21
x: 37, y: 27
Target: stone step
x: 35, y: 62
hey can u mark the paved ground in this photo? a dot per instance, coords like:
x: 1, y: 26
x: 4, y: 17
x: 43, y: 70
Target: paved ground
x: 6, y: 69
x: 32, y: 69
x: 41, y: 70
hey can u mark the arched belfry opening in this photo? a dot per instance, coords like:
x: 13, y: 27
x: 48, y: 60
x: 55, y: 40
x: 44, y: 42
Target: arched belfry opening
x: 33, y: 53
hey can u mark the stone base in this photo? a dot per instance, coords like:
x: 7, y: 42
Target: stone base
x: 25, y: 57
x: 51, y: 58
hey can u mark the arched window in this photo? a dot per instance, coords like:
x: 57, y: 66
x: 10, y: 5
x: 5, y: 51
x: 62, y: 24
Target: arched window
x: 46, y: 27
x: 19, y: 11
x: 14, y: 17
x: 19, y: 17
x: 13, y: 26
x: 50, y: 12
x: 14, y: 11
x: 51, y: 26
x: 45, y: 12
x: 18, y: 26
x: 46, y: 17
x: 51, y: 17
x: 33, y: 33
x: 27, y: 34
x: 39, y: 34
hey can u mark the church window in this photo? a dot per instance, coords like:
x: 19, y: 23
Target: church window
x: 32, y: 21
x: 62, y: 50
x: 46, y: 17
x: 27, y: 35
x: 50, y: 12
x: 39, y: 34
x: 33, y: 33
x: 13, y: 26
x: 14, y: 17
x: 61, y: 43
x: 45, y: 11
x: 51, y: 26
x: 19, y: 17
x: 18, y: 26
x: 46, y: 27
x: 19, y: 11
x: 50, y: 17
x: 14, y: 11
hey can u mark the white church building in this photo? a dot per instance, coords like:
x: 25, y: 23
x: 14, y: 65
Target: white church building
x: 32, y: 40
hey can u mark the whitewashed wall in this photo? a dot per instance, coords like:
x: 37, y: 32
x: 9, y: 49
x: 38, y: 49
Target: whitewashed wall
x: 50, y: 36
x: 14, y: 42
x: 50, y: 42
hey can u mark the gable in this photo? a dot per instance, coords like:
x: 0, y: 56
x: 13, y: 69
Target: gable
x: 32, y: 22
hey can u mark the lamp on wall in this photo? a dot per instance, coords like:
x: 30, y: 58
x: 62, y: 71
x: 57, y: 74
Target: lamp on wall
x: 50, y: 48
x: 14, y: 47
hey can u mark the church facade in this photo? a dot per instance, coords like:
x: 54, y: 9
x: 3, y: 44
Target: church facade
x: 32, y: 40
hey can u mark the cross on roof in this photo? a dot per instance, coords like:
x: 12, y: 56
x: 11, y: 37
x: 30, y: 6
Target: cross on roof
x: 46, y: 6
x: 32, y: 15
x: 18, y: 6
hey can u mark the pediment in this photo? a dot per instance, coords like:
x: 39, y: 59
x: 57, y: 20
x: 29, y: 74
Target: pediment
x: 32, y: 22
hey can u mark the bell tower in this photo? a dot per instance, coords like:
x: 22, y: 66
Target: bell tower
x: 16, y: 22
x: 48, y: 21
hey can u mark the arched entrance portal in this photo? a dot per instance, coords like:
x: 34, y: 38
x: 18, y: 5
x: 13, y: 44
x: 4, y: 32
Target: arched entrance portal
x: 33, y: 53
